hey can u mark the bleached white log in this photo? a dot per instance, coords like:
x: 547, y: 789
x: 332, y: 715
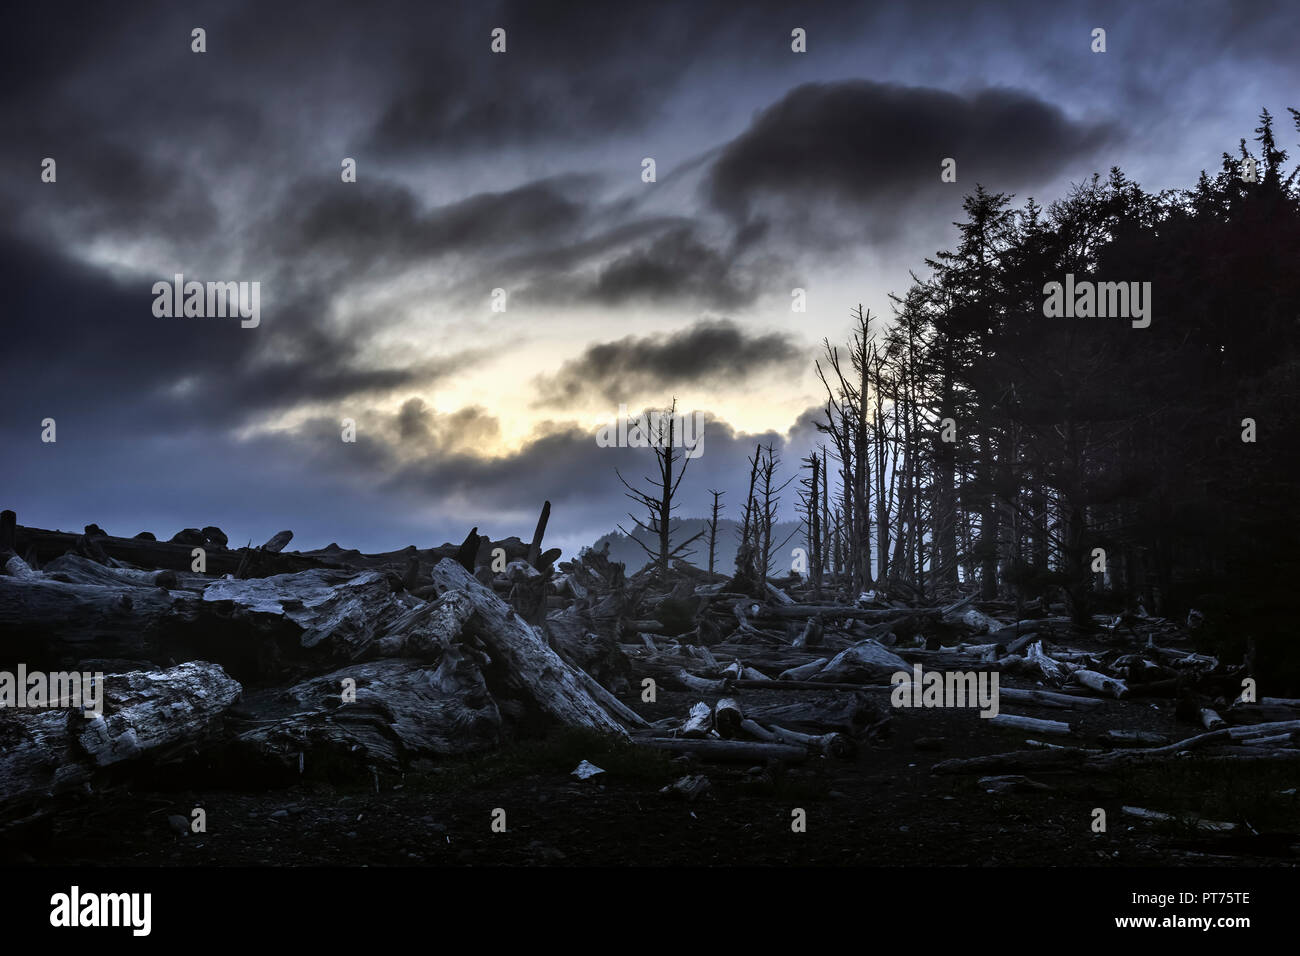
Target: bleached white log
x: 699, y: 722
x: 700, y: 685
x: 1030, y: 724
x: 757, y: 731
x: 832, y: 744
x: 1210, y: 719
x: 803, y: 671
x: 1101, y: 683
x: 541, y: 673
x: 1046, y: 698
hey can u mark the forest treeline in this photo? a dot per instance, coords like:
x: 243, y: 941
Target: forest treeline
x: 981, y: 440
x: 974, y: 440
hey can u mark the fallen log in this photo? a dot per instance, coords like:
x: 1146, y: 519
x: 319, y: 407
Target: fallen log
x: 832, y: 745
x: 541, y: 673
x: 842, y: 712
x: 278, y: 541
x: 728, y: 716
x: 699, y: 722
x: 728, y: 751
x: 44, y: 620
x: 75, y: 569
x: 865, y: 660
x: 1045, y: 698
x: 1100, y: 683
x: 1210, y: 719
x: 803, y: 671
x: 402, y: 709
x: 147, y: 715
x: 1030, y: 724
x: 758, y: 732
x: 805, y: 685
x: 699, y: 684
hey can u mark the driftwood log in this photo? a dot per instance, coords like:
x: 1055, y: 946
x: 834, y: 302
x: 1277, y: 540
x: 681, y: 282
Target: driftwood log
x: 538, y: 672
x: 147, y: 716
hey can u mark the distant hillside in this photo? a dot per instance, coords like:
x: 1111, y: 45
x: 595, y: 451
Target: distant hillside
x: 624, y: 548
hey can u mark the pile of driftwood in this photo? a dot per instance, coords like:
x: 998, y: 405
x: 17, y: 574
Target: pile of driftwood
x: 274, y: 664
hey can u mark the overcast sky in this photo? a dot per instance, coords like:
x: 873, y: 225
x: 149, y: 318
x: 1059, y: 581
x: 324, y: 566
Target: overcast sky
x: 520, y: 171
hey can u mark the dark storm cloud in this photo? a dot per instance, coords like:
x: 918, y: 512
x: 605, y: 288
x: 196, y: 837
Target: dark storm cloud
x: 384, y: 221
x: 632, y: 368
x: 675, y: 267
x: 573, y: 71
x: 168, y: 158
x: 106, y: 360
x: 878, y: 148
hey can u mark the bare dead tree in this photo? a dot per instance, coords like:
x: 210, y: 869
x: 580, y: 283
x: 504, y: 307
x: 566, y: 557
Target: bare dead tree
x: 771, y: 497
x: 810, y: 502
x: 847, y: 423
x: 671, y: 463
x: 713, y: 526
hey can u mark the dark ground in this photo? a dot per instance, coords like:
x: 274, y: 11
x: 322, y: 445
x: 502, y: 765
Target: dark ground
x: 883, y: 808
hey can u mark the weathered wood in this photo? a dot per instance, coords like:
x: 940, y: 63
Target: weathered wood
x: 1045, y: 698
x: 832, y: 745
x: 698, y: 684
x: 1030, y: 724
x: 843, y: 712
x: 829, y: 611
x: 727, y: 716
x: 76, y: 569
x: 146, y: 715
x: 16, y: 567
x: 535, y: 548
x: 864, y: 661
x: 804, y: 685
x: 145, y: 553
x: 728, y: 751
x: 542, y: 674
x: 1101, y: 683
x: 780, y: 595
x: 149, y: 711
x: 699, y: 722
x: 758, y: 732
x: 44, y: 620
x: 278, y: 541
x: 803, y: 671
x: 467, y: 553
x: 403, y: 709
x: 338, y: 611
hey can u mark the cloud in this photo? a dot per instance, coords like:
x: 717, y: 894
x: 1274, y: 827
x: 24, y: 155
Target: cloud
x: 864, y: 157
x: 676, y: 267
x: 633, y: 369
